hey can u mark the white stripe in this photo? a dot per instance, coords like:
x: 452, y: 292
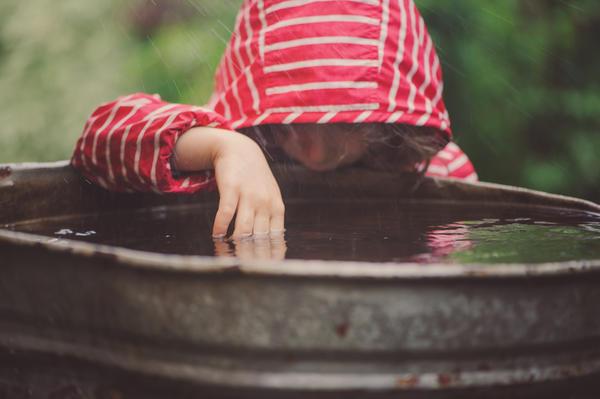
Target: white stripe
x: 290, y: 118
x: 151, y: 117
x: 263, y: 22
x: 122, y: 154
x: 225, y: 71
x: 399, y: 58
x: 472, y: 177
x: 320, y: 40
x: 196, y: 108
x: 238, y: 38
x: 246, y: 69
x: 385, y: 19
x: 253, y: 91
x: 123, y: 102
x: 86, y: 131
x: 261, y: 118
x: 138, y: 151
x: 421, y: 31
x: 248, y: 31
x: 444, y: 125
x: 445, y: 155
x: 428, y: 105
x: 327, y: 117
x: 240, y: 63
x: 157, y: 136
x: 157, y: 112
x: 440, y: 89
x: 249, y: 78
x: 185, y: 183
x: 319, y: 63
x: 107, y: 122
x: 427, y: 80
x: 415, y: 62
x: 451, y: 146
x: 102, y: 182
x: 363, y: 116
x: 111, y: 176
x: 206, y: 178
x: 326, y: 108
x: 226, y: 105
x: 424, y: 118
x: 394, y: 117
x: 413, y: 88
x: 236, y: 95
x: 321, y: 86
x: 457, y: 163
x: 323, y: 18
x: 295, y: 3
x: 213, y: 124
x: 440, y: 170
x: 239, y: 122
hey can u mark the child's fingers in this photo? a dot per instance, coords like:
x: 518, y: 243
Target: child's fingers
x: 244, y: 221
x: 261, y: 223
x: 227, y: 207
x: 277, y: 218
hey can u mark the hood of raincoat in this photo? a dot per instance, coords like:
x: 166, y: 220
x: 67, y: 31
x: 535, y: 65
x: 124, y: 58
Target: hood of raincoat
x: 327, y: 61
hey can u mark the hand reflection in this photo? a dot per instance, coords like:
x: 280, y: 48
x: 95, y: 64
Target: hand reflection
x: 272, y: 247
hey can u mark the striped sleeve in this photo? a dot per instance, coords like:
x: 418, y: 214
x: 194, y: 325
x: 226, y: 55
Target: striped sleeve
x: 127, y: 145
x: 452, y: 162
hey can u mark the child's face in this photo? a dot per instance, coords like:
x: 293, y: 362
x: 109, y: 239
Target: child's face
x: 323, y: 147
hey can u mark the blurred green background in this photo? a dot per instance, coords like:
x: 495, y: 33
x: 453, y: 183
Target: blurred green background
x: 522, y: 77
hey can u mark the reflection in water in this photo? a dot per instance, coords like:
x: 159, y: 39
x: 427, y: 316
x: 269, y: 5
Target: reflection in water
x: 271, y: 247
x: 359, y: 230
x: 446, y: 240
x: 512, y: 240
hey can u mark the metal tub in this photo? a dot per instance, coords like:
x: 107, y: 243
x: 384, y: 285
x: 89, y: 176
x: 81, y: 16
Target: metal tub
x: 94, y: 319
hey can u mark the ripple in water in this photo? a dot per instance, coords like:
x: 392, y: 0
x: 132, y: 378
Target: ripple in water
x: 366, y: 230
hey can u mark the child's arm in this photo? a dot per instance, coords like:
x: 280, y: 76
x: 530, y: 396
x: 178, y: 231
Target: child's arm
x: 128, y: 145
x: 246, y: 185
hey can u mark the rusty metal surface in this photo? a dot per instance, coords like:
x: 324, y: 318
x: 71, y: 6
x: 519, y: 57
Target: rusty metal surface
x: 294, y: 326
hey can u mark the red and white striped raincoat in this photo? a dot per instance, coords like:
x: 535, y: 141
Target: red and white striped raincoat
x: 288, y: 61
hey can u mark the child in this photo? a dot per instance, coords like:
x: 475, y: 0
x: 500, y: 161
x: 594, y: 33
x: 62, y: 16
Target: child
x: 331, y: 82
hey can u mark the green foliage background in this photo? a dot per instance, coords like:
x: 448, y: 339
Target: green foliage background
x: 522, y: 77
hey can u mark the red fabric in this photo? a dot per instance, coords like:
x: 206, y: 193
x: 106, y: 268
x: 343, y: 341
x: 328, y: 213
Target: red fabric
x: 127, y: 144
x: 288, y: 61
x: 452, y: 162
x: 318, y: 61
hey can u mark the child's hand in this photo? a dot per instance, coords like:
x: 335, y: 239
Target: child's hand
x: 246, y: 185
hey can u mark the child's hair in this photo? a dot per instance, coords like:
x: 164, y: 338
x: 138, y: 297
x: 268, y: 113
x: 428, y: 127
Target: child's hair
x: 400, y: 147
x: 391, y: 147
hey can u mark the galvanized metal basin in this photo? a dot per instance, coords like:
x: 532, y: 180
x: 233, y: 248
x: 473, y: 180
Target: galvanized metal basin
x: 291, y: 327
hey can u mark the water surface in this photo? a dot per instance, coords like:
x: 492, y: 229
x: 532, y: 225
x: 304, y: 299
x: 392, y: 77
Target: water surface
x: 366, y: 230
